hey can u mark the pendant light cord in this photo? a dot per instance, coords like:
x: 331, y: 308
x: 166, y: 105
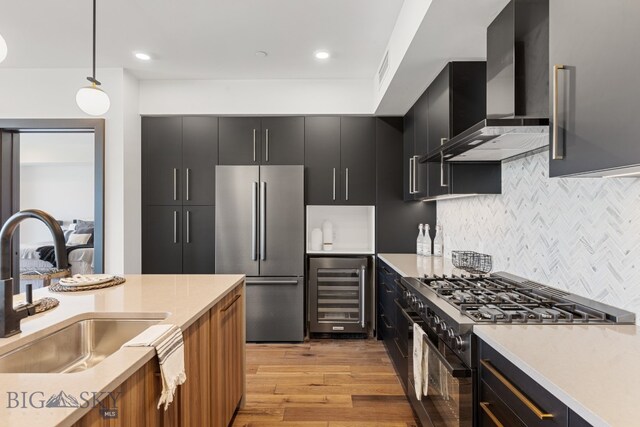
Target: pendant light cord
x: 92, y: 79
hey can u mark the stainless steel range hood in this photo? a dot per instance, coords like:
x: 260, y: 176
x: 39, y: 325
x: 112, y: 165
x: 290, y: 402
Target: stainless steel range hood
x: 517, y: 89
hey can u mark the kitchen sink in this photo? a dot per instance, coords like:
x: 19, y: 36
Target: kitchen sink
x: 74, y: 348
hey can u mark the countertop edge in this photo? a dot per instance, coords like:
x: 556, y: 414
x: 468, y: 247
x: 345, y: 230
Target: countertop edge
x: 397, y: 270
x: 558, y: 392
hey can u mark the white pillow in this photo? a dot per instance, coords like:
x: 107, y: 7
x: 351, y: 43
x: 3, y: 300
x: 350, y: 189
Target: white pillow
x: 78, y: 239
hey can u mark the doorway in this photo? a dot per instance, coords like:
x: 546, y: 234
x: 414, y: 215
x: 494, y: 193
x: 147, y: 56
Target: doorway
x: 56, y: 165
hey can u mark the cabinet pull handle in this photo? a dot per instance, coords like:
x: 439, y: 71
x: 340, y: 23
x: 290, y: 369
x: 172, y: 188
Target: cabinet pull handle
x: 410, y: 175
x: 334, y: 184
x: 254, y: 145
x: 555, y: 154
x: 346, y: 186
x: 490, y: 414
x: 513, y: 389
x: 254, y: 221
x: 442, y: 183
x: 175, y: 184
x: 363, y: 270
x: 188, y: 226
x: 175, y: 226
x: 188, y: 173
x: 228, y: 306
x: 415, y: 175
x: 266, y: 136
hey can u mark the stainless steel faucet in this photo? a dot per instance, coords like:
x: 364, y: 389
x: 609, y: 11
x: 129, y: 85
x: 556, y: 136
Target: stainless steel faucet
x: 9, y: 316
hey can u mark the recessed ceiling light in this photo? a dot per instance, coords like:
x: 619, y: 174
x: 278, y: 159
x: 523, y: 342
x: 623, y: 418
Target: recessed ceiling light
x: 322, y: 54
x: 261, y: 54
x: 143, y: 56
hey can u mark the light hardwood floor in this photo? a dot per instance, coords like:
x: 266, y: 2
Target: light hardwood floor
x: 323, y: 383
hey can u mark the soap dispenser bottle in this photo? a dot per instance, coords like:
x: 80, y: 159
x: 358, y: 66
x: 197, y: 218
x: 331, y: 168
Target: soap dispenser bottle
x: 420, y: 241
x: 438, y: 242
x: 426, y: 242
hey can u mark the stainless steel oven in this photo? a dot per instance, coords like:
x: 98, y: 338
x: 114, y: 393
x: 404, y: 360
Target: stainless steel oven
x: 449, y: 399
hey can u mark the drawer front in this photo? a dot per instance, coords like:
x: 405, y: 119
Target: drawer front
x: 493, y: 412
x: 534, y: 405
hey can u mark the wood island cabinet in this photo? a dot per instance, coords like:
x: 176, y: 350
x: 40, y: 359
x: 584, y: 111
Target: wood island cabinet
x: 215, y: 368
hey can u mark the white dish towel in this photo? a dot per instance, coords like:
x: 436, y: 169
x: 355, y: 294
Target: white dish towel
x: 169, y: 345
x: 418, y: 357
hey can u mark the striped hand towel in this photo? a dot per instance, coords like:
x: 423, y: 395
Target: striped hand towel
x: 167, y: 340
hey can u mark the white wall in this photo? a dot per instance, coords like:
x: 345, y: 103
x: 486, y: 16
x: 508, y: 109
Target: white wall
x: 50, y: 93
x: 578, y: 234
x: 256, y: 97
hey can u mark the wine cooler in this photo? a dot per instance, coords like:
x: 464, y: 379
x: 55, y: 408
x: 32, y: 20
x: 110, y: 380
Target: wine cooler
x: 338, y: 295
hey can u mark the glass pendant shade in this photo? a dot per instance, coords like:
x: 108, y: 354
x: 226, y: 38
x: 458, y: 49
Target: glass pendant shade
x: 3, y: 49
x: 93, y: 100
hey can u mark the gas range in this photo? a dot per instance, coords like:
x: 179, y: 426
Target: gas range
x: 449, y: 306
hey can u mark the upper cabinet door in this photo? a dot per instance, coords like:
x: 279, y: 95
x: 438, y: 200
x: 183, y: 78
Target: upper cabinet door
x: 598, y: 96
x: 283, y: 141
x: 439, y: 121
x: 408, y: 151
x: 358, y: 160
x: 162, y: 160
x: 199, y: 159
x: 422, y: 126
x: 240, y: 141
x: 322, y: 160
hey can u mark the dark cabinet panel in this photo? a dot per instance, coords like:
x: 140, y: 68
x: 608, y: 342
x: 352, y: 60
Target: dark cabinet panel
x: 198, y: 228
x: 282, y: 141
x: 322, y: 160
x: 439, y: 121
x: 199, y: 159
x: 358, y: 160
x: 408, y: 153
x: 240, y: 141
x: 598, y: 88
x: 161, y: 240
x: 161, y: 160
x: 576, y: 420
x: 421, y: 146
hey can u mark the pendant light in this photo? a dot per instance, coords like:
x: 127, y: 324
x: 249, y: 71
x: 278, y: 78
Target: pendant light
x: 3, y: 49
x: 91, y: 99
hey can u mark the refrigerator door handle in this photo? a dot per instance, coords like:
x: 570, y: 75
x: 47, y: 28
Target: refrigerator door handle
x: 362, y: 295
x: 263, y: 222
x: 254, y: 220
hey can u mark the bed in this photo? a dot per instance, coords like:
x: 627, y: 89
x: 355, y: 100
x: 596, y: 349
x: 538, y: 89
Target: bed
x: 80, y: 259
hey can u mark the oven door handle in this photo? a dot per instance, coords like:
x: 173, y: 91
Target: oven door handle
x: 456, y: 369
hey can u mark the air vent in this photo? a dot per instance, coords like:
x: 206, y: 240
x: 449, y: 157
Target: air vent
x: 546, y: 289
x: 382, y: 72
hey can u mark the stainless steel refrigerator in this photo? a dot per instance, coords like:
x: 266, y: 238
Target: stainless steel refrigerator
x: 260, y: 233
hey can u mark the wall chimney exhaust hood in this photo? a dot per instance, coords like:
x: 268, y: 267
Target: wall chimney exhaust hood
x: 517, y: 89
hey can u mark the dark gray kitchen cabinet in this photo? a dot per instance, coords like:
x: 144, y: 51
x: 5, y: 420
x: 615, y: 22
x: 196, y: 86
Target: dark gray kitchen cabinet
x: 179, y: 155
x: 358, y: 160
x: 408, y: 153
x: 199, y: 159
x: 198, y: 243
x: 340, y: 160
x: 161, y: 240
x: 322, y: 160
x: 598, y: 102
x: 415, y: 145
x: 282, y: 141
x: 267, y: 141
x: 178, y: 240
x: 240, y: 141
x: 161, y: 160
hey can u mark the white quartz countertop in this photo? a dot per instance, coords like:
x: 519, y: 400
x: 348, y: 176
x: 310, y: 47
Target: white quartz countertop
x: 594, y: 369
x: 412, y: 265
x: 180, y: 298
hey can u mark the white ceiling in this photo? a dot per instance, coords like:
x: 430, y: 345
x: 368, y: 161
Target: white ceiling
x: 203, y: 39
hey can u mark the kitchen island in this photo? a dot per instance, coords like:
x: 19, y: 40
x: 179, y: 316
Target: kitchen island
x: 208, y: 308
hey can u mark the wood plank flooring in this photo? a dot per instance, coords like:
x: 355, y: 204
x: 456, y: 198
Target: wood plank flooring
x: 323, y: 383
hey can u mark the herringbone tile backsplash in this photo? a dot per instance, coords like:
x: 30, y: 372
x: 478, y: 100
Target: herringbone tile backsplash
x: 578, y: 234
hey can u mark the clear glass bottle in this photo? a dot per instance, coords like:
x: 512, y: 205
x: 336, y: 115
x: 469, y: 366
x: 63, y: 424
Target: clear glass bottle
x: 420, y: 241
x: 426, y: 242
x: 438, y: 242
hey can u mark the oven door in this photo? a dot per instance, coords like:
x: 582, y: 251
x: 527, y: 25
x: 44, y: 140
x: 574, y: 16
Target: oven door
x: 449, y: 400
